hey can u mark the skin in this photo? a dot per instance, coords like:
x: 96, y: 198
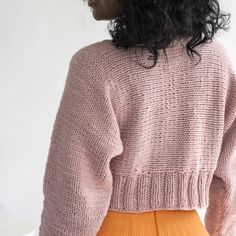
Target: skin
x: 105, y: 9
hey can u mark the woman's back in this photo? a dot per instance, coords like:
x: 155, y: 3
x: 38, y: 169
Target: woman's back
x: 134, y: 140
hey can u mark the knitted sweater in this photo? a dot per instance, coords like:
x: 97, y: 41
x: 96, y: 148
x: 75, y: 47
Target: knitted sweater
x: 131, y: 139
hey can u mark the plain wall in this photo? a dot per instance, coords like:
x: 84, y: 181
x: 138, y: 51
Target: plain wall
x: 38, y: 39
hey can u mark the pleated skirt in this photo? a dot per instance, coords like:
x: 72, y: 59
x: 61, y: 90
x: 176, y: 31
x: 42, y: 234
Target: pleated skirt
x: 153, y: 223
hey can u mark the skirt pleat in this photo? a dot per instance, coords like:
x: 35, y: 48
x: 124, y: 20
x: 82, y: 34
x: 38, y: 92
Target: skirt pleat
x: 153, y: 223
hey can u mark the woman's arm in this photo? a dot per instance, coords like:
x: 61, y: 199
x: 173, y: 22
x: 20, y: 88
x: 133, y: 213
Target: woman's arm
x: 77, y: 184
x: 220, y: 218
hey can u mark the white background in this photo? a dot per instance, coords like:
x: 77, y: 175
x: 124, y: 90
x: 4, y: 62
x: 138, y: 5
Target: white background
x: 37, y: 40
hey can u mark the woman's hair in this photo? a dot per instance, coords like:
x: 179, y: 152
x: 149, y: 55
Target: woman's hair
x: 156, y: 23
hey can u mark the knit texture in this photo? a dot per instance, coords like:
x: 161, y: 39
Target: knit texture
x: 131, y: 139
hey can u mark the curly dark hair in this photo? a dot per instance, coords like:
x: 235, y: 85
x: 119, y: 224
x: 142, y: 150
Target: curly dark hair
x: 156, y: 23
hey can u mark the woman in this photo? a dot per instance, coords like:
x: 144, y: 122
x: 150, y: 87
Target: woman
x: 136, y: 149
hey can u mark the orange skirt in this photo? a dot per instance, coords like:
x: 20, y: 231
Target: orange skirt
x: 153, y: 223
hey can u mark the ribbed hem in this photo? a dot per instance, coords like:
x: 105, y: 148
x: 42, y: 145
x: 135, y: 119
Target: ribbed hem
x: 161, y: 190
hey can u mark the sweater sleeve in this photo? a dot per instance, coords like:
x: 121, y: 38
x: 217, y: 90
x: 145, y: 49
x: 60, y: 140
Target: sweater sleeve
x: 220, y: 217
x: 77, y: 183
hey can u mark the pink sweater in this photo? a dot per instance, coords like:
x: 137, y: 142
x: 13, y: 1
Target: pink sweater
x: 131, y: 139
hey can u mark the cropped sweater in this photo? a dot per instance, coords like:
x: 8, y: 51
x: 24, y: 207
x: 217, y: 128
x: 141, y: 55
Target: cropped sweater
x: 131, y: 139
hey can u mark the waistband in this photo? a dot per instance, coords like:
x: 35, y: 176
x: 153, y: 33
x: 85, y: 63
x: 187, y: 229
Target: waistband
x: 161, y: 191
